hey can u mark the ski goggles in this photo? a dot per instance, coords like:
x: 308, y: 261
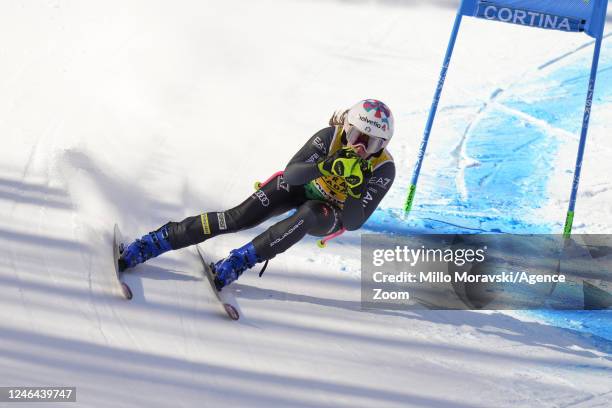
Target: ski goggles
x: 371, y: 144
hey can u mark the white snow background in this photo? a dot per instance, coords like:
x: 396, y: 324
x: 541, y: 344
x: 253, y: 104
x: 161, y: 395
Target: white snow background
x: 140, y: 112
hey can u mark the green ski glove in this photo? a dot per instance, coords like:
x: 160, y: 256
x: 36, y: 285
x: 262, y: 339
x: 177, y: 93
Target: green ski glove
x: 340, y: 163
x: 350, y: 166
x: 357, y: 181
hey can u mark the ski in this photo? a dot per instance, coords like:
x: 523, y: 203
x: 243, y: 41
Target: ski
x: 225, y: 298
x: 123, y: 287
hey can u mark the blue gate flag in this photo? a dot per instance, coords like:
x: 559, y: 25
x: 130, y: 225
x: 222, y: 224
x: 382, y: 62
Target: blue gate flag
x: 566, y: 15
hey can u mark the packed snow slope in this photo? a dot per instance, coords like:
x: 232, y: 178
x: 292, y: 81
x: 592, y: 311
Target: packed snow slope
x: 142, y: 112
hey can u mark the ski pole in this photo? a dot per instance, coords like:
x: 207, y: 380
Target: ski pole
x: 323, y: 241
x: 259, y: 184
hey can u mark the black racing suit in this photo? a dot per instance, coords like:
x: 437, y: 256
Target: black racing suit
x: 318, y: 213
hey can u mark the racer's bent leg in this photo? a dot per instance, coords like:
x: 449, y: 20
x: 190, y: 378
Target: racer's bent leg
x: 313, y: 217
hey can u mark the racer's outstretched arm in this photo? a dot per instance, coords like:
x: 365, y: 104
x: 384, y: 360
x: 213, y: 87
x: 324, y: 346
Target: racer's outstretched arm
x: 302, y: 168
x: 357, y: 210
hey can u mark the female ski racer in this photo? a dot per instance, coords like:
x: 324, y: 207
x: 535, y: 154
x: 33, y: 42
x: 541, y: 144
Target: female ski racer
x: 336, y: 180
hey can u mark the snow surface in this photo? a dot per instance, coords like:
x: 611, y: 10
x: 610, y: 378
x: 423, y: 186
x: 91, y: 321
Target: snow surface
x: 142, y: 112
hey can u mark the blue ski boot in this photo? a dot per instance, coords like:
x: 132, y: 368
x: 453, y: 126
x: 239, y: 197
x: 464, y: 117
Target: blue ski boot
x: 149, y: 246
x: 239, y: 260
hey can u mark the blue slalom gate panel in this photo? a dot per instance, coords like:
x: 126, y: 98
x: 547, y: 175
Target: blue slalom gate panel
x: 564, y: 15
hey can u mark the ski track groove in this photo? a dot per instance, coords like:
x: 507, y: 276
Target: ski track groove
x: 202, y: 306
x: 98, y: 320
x: 570, y: 53
x: 192, y: 348
x: 43, y: 223
x: 186, y: 335
x: 588, y: 398
x: 459, y: 153
x: 20, y: 193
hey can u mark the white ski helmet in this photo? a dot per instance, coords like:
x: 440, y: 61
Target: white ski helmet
x: 373, y: 119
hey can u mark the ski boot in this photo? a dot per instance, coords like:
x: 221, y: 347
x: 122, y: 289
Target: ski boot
x: 149, y: 246
x: 239, y: 260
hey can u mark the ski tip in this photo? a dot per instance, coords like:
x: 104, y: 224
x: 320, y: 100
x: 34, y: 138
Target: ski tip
x: 231, y: 311
x: 127, y: 292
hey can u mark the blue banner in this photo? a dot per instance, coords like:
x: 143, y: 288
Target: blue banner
x: 565, y: 15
